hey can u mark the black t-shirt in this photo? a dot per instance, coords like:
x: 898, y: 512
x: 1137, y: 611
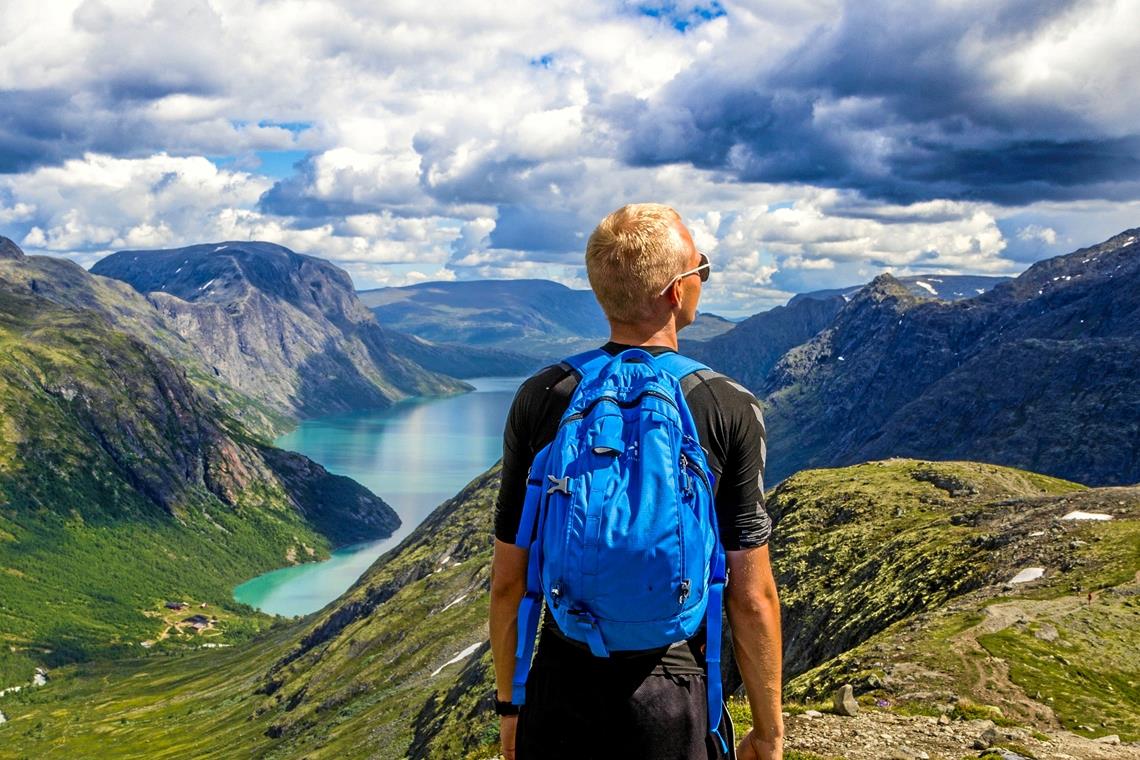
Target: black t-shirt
x: 730, y: 427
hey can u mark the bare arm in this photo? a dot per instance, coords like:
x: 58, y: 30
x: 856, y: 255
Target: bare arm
x: 754, y: 615
x: 508, y: 583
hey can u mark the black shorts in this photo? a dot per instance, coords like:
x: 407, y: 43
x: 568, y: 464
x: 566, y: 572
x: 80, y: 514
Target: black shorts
x: 608, y: 709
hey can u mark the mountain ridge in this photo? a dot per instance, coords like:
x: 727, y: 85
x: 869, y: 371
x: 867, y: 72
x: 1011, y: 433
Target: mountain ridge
x: 283, y: 327
x: 1008, y: 374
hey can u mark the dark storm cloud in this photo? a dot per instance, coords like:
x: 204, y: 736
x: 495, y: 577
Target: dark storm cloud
x: 889, y: 101
x: 543, y: 230
x: 48, y: 126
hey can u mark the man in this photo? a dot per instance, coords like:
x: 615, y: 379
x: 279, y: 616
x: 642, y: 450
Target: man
x: 647, y: 275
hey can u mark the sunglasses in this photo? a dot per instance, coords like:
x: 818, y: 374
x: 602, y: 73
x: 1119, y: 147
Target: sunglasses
x: 703, y: 270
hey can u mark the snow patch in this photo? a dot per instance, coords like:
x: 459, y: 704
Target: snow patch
x: 927, y: 286
x: 842, y: 359
x: 1028, y: 574
x: 1037, y: 533
x: 1079, y: 515
x: 980, y: 290
x: 179, y: 269
x: 454, y: 602
x: 208, y: 284
x: 461, y: 656
x: 220, y: 248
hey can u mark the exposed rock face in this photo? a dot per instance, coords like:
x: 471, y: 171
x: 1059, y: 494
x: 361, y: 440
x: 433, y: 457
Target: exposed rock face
x: 1025, y: 374
x: 120, y: 307
x: 9, y: 250
x: 748, y: 351
x: 74, y: 388
x: 279, y: 326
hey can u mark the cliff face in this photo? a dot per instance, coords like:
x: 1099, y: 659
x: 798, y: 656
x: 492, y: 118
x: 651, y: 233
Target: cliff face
x: 122, y: 308
x: 281, y: 327
x: 1041, y: 372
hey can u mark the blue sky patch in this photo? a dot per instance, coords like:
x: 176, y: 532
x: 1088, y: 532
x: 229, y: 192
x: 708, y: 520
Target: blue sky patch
x: 296, y: 127
x: 682, y: 16
x: 277, y: 164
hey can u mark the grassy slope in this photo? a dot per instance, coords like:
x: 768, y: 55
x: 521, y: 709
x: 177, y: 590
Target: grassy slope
x: 100, y: 517
x: 361, y: 683
x: 918, y: 606
x: 360, y: 693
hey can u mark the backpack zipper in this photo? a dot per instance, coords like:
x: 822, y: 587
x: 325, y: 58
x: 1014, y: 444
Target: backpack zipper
x: 621, y: 404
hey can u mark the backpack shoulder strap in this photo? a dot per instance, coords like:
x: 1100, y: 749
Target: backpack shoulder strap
x: 587, y: 362
x: 679, y: 366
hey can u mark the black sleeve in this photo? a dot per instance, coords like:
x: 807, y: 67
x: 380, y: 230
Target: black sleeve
x: 744, y: 523
x: 530, y: 426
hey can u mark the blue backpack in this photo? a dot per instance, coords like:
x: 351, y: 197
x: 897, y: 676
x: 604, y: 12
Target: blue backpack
x: 619, y: 519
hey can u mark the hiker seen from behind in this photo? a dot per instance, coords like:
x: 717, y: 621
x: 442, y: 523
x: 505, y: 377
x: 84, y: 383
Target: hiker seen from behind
x: 631, y: 512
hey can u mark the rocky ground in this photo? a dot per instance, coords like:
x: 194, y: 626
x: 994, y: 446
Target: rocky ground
x: 883, y: 735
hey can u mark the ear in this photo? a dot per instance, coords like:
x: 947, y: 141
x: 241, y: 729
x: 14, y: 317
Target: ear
x: 674, y: 295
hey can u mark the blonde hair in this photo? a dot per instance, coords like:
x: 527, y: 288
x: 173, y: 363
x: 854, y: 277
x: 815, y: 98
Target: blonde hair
x: 630, y: 256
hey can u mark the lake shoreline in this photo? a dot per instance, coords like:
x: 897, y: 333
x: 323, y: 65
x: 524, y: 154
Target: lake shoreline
x: 415, y: 455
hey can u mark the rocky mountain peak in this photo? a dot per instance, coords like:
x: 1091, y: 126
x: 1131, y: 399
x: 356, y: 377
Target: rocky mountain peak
x: 283, y: 327
x: 9, y: 250
x: 884, y: 286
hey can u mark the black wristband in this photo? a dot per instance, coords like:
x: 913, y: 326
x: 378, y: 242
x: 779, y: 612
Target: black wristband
x: 505, y: 708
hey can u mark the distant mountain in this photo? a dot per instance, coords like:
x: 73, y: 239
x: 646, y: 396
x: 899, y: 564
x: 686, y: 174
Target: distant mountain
x: 122, y: 485
x: 539, y: 318
x: 1041, y: 372
x: 279, y: 326
x: 707, y: 326
x: 749, y: 349
x: 948, y: 287
x: 894, y: 577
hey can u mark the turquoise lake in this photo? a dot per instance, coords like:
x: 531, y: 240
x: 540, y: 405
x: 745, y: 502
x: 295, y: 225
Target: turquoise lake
x: 414, y: 456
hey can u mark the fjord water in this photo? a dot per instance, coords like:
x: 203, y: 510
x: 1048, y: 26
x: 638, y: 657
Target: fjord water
x: 415, y: 455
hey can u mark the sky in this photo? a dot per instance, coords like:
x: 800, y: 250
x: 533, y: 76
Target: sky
x: 806, y: 145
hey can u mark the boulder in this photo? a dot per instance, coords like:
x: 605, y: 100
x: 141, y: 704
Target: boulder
x: 844, y: 701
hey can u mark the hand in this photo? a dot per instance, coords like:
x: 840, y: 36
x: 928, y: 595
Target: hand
x: 752, y: 747
x: 507, y: 726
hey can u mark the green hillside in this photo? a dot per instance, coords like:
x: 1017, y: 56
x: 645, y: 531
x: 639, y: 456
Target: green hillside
x: 893, y: 577
x: 122, y: 487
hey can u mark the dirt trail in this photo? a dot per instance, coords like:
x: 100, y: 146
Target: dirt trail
x: 882, y: 735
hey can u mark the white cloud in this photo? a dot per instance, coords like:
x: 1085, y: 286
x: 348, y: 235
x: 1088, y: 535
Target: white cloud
x: 425, y: 122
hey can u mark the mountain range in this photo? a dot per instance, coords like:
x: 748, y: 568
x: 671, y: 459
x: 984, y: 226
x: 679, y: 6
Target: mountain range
x: 538, y: 318
x: 1041, y: 372
x: 947, y: 287
x: 126, y: 447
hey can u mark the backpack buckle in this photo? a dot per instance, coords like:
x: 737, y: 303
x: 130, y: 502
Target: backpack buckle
x: 561, y: 485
